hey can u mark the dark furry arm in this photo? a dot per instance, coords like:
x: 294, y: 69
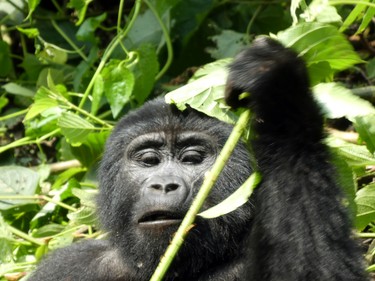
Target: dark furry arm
x: 91, y: 260
x: 301, y: 230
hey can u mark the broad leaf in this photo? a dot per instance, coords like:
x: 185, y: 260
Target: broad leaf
x: 318, y: 43
x: 43, y: 102
x: 118, y: 85
x: 337, y: 101
x: 365, y: 126
x: 74, y: 128
x: 237, y: 199
x: 205, y: 92
x: 365, y: 200
x: 15, y: 180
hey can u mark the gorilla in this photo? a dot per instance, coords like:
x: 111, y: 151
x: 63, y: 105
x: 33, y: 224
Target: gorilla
x: 294, y: 227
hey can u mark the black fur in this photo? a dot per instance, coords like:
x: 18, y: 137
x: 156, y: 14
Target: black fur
x: 294, y: 228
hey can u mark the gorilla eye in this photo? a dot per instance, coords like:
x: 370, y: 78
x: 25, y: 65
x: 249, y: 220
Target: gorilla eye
x: 192, y: 157
x: 148, y: 158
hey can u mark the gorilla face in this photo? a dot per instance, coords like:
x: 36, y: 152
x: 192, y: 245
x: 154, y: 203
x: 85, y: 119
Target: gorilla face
x: 154, y: 164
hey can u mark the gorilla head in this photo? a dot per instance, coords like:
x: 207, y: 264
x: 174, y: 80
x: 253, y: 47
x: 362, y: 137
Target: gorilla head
x: 154, y: 164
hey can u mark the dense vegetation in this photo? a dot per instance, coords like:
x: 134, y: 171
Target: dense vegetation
x: 69, y: 69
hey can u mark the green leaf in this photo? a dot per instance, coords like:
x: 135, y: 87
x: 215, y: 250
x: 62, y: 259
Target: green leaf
x: 205, y: 92
x: 59, y: 195
x: 29, y: 32
x: 33, y: 4
x: 74, y: 128
x: 43, y: 102
x: 15, y: 180
x: 321, y: 11
x: 355, y: 155
x: 97, y: 94
x: 81, y: 7
x: 87, y: 213
x: 337, y: 101
x: 86, y: 32
x: 365, y: 200
x: 118, y: 85
x: 91, y: 149
x: 365, y: 126
x: 317, y: 43
x: 84, y: 215
x: 228, y: 44
x: 5, y: 59
x: 18, y: 90
x: 145, y: 72
x: 370, y: 68
x: 48, y: 230
x: 367, y: 18
x: 237, y: 199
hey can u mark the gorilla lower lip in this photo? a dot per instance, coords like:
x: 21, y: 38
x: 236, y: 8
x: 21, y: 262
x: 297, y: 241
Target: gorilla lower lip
x: 159, y: 219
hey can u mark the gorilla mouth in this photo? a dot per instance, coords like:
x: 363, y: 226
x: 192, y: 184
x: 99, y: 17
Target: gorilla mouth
x: 159, y: 219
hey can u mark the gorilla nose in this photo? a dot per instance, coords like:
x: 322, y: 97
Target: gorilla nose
x: 166, y: 185
x: 165, y: 188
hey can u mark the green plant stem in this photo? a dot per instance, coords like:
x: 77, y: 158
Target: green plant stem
x: 38, y: 197
x: 27, y: 140
x: 366, y: 235
x: 354, y: 2
x: 23, y: 235
x: 119, y: 15
x: 67, y: 39
x: 207, y: 185
x: 89, y: 115
x: 167, y: 38
x: 109, y: 51
x: 15, y: 114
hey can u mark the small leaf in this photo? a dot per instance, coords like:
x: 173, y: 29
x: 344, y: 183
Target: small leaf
x: 29, y: 32
x: 118, y: 85
x: 97, y: 94
x: 81, y: 7
x: 5, y: 59
x: 355, y: 155
x: 33, y: 4
x: 228, y: 44
x: 86, y: 32
x: 145, y: 72
x: 74, y: 128
x: 237, y: 199
x: 18, y: 90
x: 365, y: 126
x: 84, y: 215
x: 365, y: 200
x: 43, y: 102
x: 15, y: 180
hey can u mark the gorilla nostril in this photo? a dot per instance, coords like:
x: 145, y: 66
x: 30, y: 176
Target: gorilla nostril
x: 165, y: 188
x: 171, y: 187
x: 157, y: 186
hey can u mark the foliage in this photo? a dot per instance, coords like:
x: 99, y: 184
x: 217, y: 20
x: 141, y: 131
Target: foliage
x: 70, y: 69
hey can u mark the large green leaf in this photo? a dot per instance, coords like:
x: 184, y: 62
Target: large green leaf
x: 235, y: 200
x: 44, y: 100
x: 145, y: 72
x: 365, y: 126
x: 365, y: 200
x: 74, y: 128
x: 15, y: 180
x: 118, y: 83
x: 205, y: 92
x: 337, y: 101
x: 318, y: 43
